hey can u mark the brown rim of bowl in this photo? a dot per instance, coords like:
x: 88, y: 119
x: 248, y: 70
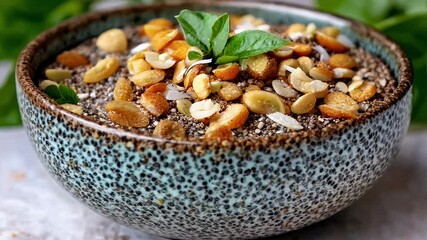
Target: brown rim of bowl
x: 24, y: 79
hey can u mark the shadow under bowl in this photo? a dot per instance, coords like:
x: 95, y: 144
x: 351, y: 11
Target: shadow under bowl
x: 248, y: 188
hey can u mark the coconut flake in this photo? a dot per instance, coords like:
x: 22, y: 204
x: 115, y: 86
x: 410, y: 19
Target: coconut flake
x: 296, y: 35
x: 141, y: 47
x: 82, y: 96
x: 285, y: 120
x: 289, y: 68
x: 324, y: 55
x: 172, y: 93
x: 345, y: 40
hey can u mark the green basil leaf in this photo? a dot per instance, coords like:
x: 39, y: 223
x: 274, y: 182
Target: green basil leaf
x: 193, y: 55
x: 197, y: 28
x: 53, y: 92
x: 68, y: 95
x: 226, y: 59
x: 251, y: 43
x: 220, y: 31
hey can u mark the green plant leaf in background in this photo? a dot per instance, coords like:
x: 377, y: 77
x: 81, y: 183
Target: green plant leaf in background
x: 403, y: 21
x: 20, y: 22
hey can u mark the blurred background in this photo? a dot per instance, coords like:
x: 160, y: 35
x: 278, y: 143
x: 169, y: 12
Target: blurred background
x: 21, y: 20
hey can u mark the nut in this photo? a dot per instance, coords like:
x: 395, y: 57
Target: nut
x: 163, y: 38
x: 229, y: 91
x: 304, y: 104
x: 155, y: 103
x: 283, y: 89
x: 342, y: 60
x: 342, y: 87
x: 300, y: 49
x: 73, y: 108
x: 72, y: 59
x: 355, y: 83
x: 102, y: 70
x: 343, y: 73
x: 306, y: 64
x: 263, y: 102
x: 178, y: 49
x: 363, y: 92
x: 322, y: 74
x: 335, y: 112
x: 148, y: 78
x: 113, y: 40
x: 126, y: 114
x: 158, y: 88
x: 339, y: 105
x: 262, y: 67
x: 159, y: 61
x: 218, y: 132
x: 192, y: 73
x: 58, y: 75
x: 330, y: 43
x: 234, y: 116
x: 170, y: 130
x: 178, y: 74
x: 154, y: 26
x: 183, y: 106
x: 215, y: 86
x: 46, y: 83
x: 123, y: 90
x: 204, y: 109
x: 331, y: 31
x: 342, y: 99
x: 283, y: 52
x: 227, y: 71
x: 295, y: 28
x: 301, y: 82
x: 201, y: 86
x: 252, y: 87
x: 138, y: 66
x: 285, y: 64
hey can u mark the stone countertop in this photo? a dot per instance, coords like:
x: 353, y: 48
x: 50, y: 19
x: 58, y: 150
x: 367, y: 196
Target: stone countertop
x: 34, y: 207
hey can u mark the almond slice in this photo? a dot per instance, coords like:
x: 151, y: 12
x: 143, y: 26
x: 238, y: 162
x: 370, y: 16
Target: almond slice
x: 283, y: 89
x: 227, y: 72
x: 155, y: 103
x: 234, y: 116
x: 364, y: 92
x: 126, y: 114
x: 148, y: 78
x: 330, y: 43
x: 102, y: 70
x: 304, y: 104
x: 285, y: 120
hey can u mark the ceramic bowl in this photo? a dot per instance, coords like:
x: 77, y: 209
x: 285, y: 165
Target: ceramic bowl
x: 248, y: 188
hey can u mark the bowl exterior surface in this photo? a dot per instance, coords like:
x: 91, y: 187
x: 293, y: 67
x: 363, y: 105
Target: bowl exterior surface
x: 200, y: 193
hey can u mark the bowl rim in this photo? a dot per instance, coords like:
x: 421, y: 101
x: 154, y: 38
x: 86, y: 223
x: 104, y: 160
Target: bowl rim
x: 34, y: 94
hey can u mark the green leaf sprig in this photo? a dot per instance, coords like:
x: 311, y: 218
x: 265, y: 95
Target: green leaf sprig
x: 210, y: 34
x: 62, y: 94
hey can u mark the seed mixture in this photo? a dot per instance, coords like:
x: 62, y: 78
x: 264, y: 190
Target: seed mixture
x: 147, y: 79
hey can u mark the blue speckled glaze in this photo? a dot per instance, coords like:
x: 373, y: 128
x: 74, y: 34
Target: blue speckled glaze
x: 216, y: 194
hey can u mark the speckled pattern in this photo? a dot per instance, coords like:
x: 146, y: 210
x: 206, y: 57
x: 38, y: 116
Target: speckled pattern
x: 195, y: 190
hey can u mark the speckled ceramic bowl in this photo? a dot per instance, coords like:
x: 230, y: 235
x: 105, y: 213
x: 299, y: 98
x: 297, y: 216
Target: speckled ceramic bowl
x: 248, y: 188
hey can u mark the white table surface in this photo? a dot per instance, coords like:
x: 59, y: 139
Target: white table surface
x: 34, y: 207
